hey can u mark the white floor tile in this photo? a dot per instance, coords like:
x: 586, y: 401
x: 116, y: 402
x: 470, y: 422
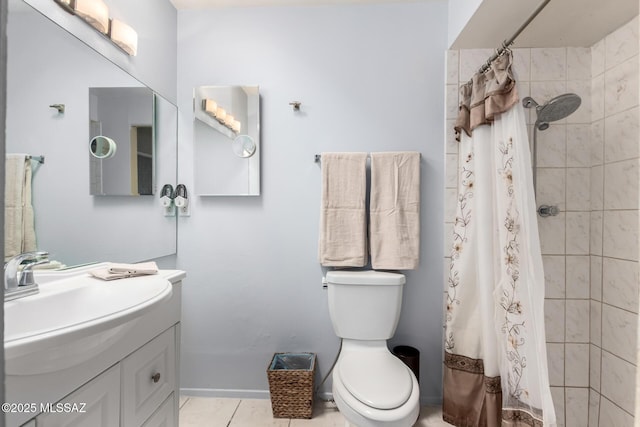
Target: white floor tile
x: 256, y: 412
x: 431, y: 416
x: 325, y: 414
x: 207, y: 412
x: 219, y: 412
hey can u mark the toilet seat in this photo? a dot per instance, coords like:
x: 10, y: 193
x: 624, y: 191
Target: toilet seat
x: 378, y: 379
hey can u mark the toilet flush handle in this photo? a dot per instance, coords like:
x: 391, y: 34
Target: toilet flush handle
x: 324, y: 282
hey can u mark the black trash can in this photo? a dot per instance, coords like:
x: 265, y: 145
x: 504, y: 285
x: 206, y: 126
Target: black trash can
x: 410, y: 356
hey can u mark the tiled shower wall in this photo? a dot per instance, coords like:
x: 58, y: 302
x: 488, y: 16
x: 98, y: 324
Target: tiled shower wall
x: 590, y: 249
x: 614, y: 227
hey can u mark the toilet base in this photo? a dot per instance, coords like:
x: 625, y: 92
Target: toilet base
x: 407, y: 413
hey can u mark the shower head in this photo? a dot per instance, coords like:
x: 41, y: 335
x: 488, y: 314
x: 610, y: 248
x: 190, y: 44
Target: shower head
x: 555, y: 109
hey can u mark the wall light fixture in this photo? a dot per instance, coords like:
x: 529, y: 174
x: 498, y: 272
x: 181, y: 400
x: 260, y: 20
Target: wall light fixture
x: 96, y: 14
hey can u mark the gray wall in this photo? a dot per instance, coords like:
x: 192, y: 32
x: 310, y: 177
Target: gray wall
x: 3, y: 98
x: 370, y: 79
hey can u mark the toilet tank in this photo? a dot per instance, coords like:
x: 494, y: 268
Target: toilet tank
x: 364, y: 305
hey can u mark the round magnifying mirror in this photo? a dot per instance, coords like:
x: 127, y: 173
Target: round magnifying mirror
x: 102, y: 147
x: 243, y: 146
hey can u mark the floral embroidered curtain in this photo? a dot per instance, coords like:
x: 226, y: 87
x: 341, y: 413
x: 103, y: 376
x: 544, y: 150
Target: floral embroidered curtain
x: 495, y: 353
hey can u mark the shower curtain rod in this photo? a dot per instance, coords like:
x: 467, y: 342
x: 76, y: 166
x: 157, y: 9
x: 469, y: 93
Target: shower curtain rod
x: 507, y: 43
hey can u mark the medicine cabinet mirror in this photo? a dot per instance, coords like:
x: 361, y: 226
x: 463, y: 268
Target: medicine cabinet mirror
x: 47, y: 65
x: 226, y: 129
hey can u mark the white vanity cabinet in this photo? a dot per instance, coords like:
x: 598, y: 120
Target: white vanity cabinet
x: 95, y: 404
x: 148, y: 378
x: 133, y: 383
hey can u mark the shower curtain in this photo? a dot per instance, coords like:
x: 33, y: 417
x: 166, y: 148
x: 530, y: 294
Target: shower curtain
x: 495, y: 370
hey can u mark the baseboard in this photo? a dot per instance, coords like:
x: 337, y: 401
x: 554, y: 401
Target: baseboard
x: 264, y: 394
x: 229, y: 393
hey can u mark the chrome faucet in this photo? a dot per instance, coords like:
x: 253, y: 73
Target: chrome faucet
x: 18, y: 284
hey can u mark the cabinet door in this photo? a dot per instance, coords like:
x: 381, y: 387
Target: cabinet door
x: 148, y: 378
x: 95, y: 404
x: 165, y: 416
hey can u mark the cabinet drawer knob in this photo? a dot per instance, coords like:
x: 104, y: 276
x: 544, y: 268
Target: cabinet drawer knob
x: 155, y: 377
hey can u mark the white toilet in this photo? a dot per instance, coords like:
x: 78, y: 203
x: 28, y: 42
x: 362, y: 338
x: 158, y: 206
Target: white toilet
x: 371, y: 387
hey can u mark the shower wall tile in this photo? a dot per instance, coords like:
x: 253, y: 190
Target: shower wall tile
x: 582, y: 88
x: 577, y: 273
x: 597, y: 188
x: 578, y: 145
x: 576, y: 407
x: 448, y: 240
x: 596, y: 278
x: 576, y: 366
x: 552, y: 147
x: 557, y: 395
x: 612, y: 415
x: 471, y: 60
x: 577, y: 321
x: 595, y: 324
x: 453, y: 65
x: 578, y: 63
x: 618, y: 382
x: 554, y: 276
x: 597, y: 58
x: 452, y: 101
x: 596, y: 140
x: 621, y: 136
x: 551, y: 187
x: 622, y: 44
x: 555, y: 361
x: 621, y: 181
x: 595, y: 233
x: 451, y: 168
x: 552, y: 231
x: 594, y: 408
x: 548, y: 64
x: 595, y: 353
x: 621, y: 87
x: 620, y: 283
x: 578, y: 189
x: 522, y: 64
x: 452, y: 144
x: 554, y: 320
x: 577, y: 228
x: 543, y: 91
x: 619, y: 332
x: 620, y: 234
x: 597, y: 97
x: 450, y: 204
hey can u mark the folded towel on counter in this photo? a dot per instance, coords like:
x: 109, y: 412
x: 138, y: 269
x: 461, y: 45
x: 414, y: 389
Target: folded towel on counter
x: 343, y: 227
x: 395, y: 210
x: 115, y: 271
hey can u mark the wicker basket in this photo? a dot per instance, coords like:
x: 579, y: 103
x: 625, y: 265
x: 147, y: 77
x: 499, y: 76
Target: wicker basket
x: 291, y: 377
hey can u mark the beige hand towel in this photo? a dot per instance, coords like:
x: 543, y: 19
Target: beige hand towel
x: 116, y: 271
x: 19, y: 230
x: 343, y: 233
x: 395, y: 210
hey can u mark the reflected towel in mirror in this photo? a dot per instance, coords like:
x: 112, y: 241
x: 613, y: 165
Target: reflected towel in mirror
x: 19, y: 229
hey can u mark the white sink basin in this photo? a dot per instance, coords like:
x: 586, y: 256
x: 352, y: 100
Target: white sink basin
x: 74, y: 318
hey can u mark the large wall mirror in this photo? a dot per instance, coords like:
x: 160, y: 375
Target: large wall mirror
x: 48, y: 66
x: 226, y: 131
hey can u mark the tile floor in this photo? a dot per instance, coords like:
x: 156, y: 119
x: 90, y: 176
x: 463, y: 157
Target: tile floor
x: 219, y: 412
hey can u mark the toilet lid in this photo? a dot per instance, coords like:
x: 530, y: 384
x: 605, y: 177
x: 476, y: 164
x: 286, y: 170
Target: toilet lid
x: 377, y: 379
